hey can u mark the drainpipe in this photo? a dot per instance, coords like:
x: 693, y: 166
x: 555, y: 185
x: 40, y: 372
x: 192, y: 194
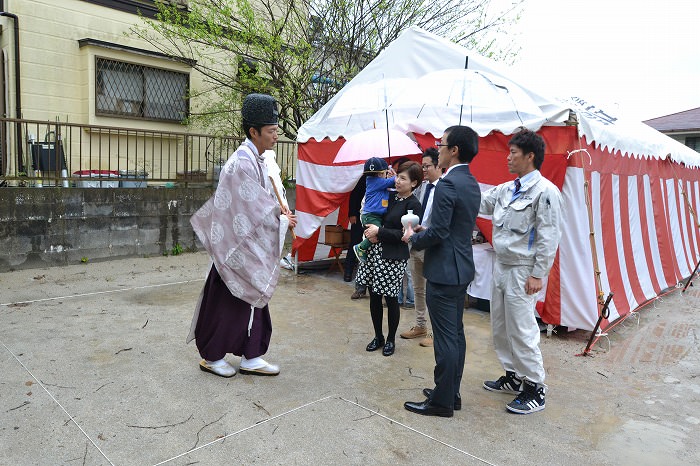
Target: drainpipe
x: 18, y: 92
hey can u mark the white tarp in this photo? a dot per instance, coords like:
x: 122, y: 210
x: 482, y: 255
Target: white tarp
x: 361, y: 104
x: 631, y: 138
x: 366, y: 103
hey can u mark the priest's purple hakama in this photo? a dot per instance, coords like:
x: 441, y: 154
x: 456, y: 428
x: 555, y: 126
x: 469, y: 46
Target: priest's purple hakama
x: 221, y: 318
x: 240, y: 228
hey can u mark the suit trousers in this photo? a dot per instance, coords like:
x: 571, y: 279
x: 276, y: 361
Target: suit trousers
x: 446, y: 309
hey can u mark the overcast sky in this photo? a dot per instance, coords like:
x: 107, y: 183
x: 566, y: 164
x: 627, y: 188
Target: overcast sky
x: 641, y: 57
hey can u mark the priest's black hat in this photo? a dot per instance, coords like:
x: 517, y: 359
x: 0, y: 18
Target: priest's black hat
x: 260, y: 110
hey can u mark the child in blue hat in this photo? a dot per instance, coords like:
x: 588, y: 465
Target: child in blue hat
x: 375, y: 201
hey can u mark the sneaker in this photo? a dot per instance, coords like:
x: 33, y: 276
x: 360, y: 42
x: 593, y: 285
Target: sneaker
x: 357, y: 294
x: 509, y: 383
x: 530, y: 400
x: 408, y: 306
x: 414, y: 332
x: 360, y: 253
x: 427, y: 342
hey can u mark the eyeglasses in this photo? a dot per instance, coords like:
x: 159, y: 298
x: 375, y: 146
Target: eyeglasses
x: 438, y: 143
x: 427, y: 166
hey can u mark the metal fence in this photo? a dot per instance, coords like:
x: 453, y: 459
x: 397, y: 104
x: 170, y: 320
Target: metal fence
x: 40, y: 153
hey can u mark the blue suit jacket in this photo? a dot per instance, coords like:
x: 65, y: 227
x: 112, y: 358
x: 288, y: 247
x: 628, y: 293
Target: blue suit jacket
x: 448, y: 240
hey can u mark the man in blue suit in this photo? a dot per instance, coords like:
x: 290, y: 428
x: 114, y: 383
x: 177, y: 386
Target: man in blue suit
x: 448, y: 267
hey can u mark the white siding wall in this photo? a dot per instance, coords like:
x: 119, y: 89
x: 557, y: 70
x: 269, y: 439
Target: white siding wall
x: 57, y: 76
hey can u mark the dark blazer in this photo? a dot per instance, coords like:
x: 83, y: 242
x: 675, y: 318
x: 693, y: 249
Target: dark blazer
x: 447, y: 242
x: 356, y: 230
x: 391, y: 231
x: 356, y: 195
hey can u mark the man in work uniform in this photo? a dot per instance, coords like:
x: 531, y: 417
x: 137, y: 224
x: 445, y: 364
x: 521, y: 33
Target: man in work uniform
x: 526, y: 215
x: 241, y: 227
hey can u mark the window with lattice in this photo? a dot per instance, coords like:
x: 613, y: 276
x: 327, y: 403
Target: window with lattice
x: 135, y: 91
x: 693, y: 143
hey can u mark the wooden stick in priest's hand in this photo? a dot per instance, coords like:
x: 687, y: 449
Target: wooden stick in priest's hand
x: 279, y: 199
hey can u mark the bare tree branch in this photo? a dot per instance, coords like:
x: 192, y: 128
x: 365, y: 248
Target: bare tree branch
x: 301, y: 52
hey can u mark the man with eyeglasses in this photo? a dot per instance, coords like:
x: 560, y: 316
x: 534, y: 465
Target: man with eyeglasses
x: 425, y: 194
x: 448, y: 267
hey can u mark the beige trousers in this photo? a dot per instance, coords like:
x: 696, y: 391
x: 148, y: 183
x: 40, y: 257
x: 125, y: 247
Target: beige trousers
x: 416, y: 264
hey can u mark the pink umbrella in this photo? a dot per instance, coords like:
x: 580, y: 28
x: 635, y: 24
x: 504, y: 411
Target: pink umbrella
x: 376, y: 143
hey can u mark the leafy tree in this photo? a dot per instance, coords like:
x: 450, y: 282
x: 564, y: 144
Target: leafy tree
x: 300, y: 52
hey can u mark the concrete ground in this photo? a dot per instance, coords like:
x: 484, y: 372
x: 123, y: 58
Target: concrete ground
x: 94, y: 370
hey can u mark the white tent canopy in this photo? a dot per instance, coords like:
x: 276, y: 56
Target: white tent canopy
x: 366, y: 103
x: 631, y: 138
x: 361, y: 104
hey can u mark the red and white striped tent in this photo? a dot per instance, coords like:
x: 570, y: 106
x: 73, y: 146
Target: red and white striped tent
x: 630, y: 192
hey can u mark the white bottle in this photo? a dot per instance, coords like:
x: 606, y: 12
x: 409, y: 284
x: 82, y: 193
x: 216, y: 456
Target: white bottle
x: 411, y: 218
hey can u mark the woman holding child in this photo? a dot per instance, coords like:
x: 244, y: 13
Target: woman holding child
x: 386, y: 259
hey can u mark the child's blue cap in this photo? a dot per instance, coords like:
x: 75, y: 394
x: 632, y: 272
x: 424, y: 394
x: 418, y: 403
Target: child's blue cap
x: 375, y: 165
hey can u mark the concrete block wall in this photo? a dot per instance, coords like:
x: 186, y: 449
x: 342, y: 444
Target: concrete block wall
x: 58, y: 226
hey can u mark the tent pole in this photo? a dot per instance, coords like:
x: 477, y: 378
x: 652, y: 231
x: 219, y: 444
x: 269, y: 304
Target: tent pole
x: 386, y: 120
x: 388, y: 142
x: 591, y: 236
x: 591, y: 230
x: 688, y: 283
x: 603, y: 306
x: 604, y: 314
x: 461, y: 105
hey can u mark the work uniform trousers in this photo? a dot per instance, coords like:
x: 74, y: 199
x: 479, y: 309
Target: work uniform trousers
x: 516, y: 335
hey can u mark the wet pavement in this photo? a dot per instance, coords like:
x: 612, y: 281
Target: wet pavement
x: 94, y: 370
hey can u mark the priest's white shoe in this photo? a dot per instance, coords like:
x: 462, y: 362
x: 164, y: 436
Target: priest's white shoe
x: 220, y: 368
x: 258, y: 366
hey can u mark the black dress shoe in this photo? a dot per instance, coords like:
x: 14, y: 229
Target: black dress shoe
x: 375, y: 344
x: 428, y: 392
x: 347, y: 277
x: 427, y: 409
x: 388, y: 348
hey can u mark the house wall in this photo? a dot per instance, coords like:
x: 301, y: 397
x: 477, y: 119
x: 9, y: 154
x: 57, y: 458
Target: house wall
x: 58, y: 76
x: 691, y: 139
x: 685, y: 138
